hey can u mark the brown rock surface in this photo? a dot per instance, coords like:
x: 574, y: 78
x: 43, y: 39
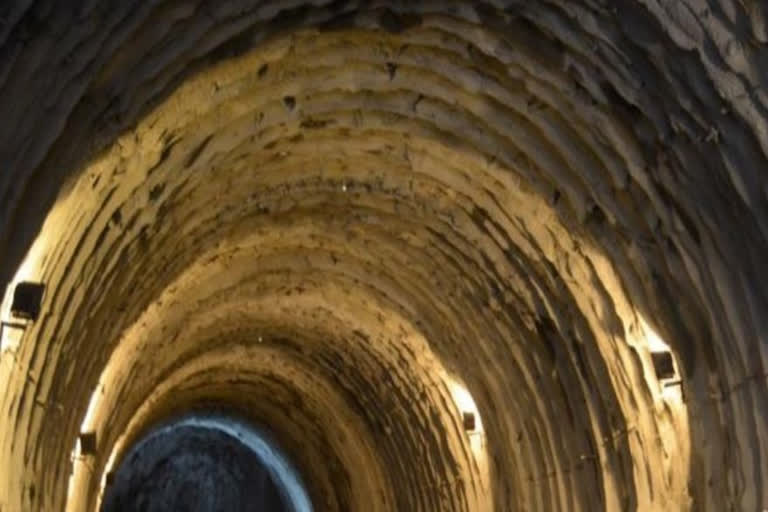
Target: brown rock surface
x: 331, y: 216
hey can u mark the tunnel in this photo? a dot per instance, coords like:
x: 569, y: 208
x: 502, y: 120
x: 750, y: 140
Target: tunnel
x: 369, y: 255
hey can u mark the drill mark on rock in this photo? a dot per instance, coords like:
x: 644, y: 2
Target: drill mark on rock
x: 195, y: 154
x: 314, y: 124
x: 117, y: 217
x: 163, y: 156
x: 391, y: 70
x: 156, y: 191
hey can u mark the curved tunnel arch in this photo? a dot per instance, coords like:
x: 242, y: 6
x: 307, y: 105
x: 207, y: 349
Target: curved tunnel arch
x: 327, y: 215
x: 207, y: 460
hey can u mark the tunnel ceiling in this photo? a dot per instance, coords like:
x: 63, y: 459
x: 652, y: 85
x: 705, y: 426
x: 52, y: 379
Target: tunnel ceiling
x: 339, y: 220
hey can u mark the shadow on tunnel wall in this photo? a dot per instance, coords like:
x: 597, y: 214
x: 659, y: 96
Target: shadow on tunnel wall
x: 643, y: 133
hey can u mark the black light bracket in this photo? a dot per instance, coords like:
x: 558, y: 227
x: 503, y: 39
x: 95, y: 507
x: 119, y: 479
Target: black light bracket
x: 27, y: 299
x: 664, y: 365
x: 26, y: 304
x: 468, y: 421
x: 87, y: 443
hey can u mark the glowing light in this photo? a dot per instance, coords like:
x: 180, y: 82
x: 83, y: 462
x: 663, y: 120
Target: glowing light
x: 670, y: 386
x: 80, y: 470
x: 655, y: 343
x: 11, y: 339
x: 89, y: 422
x: 466, y: 406
x: 29, y: 270
x: 465, y: 402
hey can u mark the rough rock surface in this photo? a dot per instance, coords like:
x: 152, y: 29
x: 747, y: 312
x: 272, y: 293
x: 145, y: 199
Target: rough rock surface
x: 318, y: 213
x: 192, y: 469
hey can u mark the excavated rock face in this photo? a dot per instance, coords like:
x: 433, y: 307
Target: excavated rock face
x: 434, y: 246
x: 195, y: 468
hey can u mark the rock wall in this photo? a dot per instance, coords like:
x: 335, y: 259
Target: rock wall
x: 339, y: 218
x: 190, y: 468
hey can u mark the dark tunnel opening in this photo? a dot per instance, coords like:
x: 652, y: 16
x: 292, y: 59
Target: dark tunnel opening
x: 204, y: 463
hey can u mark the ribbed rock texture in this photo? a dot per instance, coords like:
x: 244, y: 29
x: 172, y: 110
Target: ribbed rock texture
x: 195, y: 469
x: 322, y: 215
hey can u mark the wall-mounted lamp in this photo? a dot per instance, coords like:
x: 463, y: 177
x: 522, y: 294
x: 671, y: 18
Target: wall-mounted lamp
x: 87, y: 443
x: 468, y: 420
x: 666, y: 372
x: 27, y: 300
x: 664, y: 365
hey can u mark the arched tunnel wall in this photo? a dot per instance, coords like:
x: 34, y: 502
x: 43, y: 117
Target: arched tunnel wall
x: 219, y: 470
x: 340, y: 219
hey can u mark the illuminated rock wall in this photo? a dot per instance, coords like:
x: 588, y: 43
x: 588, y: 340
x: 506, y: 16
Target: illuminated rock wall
x: 354, y: 221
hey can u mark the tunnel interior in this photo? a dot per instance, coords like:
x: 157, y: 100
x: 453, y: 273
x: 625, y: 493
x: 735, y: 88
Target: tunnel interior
x: 457, y: 256
x: 203, y: 462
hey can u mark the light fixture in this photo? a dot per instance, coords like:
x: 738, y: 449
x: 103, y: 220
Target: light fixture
x: 469, y: 415
x: 87, y: 443
x: 468, y: 420
x: 664, y: 365
x: 27, y: 297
